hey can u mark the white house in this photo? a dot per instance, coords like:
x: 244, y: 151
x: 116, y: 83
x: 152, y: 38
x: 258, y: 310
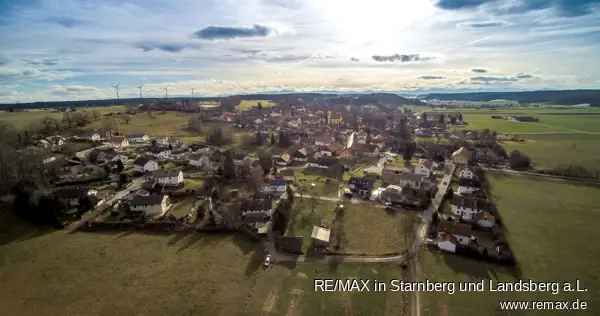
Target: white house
x: 119, y: 142
x: 275, y: 187
x: 138, y: 138
x: 485, y: 220
x: 424, y: 167
x: 468, y: 209
x: 466, y: 173
x: 447, y: 242
x: 152, y: 205
x: 462, y: 232
x: 145, y: 164
x: 167, y: 178
x: 200, y: 161
x: 466, y: 190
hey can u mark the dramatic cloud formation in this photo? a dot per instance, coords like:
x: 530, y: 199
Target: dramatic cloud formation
x: 403, y: 58
x: 225, y: 32
x: 78, y: 48
x: 569, y: 8
x: 432, y: 77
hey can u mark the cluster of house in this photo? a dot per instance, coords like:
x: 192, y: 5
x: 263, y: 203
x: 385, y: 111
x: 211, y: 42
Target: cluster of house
x: 471, y: 214
x: 409, y: 186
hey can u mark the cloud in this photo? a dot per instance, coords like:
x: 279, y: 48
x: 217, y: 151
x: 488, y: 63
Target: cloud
x: 403, y: 58
x: 72, y: 89
x: 566, y: 8
x: 354, y: 59
x: 41, y: 62
x: 3, y: 61
x: 64, y: 21
x: 460, y: 4
x: 288, y: 58
x: 524, y: 76
x: 483, y: 24
x: 432, y: 77
x: 479, y: 70
x: 492, y: 79
x: 226, y: 32
x: 165, y: 47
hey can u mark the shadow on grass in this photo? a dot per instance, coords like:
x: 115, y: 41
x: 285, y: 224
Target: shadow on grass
x: 480, y: 269
x: 15, y: 229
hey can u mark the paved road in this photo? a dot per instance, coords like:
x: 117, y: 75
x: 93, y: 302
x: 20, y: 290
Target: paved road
x: 134, y: 185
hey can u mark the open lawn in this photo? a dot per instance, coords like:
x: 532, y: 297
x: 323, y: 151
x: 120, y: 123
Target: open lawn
x: 303, y: 218
x: 26, y: 119
x: 367, y: 229
x: 250, y: 104
x: 551, y: 228
x: 550, y: 151
x: 23, y: 120
x: 123, y: 273
x: 324, y: 186
x: 170, y: 124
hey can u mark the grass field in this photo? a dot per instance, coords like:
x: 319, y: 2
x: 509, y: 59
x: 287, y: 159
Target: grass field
x: 250, y: 104
x: 554, y: 150
x: 324, y: 186
x: 56, y: 273
x: 551, y: 226
x: 26, y: 119
x: 561, y: 137
x: 171, y: 124
x: 303, y: 218
x: 371, y: 230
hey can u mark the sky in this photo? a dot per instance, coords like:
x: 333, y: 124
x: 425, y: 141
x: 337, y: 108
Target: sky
x: 80, y: 49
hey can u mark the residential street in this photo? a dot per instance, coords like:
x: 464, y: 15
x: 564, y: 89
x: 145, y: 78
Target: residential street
x: 134, y: 185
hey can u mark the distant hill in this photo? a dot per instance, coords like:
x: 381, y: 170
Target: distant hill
x: 562, y: 97
x: 381, y: 99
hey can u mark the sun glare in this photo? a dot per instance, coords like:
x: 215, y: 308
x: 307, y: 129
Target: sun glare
x: 373, y: 20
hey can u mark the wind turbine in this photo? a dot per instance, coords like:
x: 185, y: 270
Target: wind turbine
x: 192, y: 92
x: 116, y: 87
x: 140, y: 87
x: 166, y: 92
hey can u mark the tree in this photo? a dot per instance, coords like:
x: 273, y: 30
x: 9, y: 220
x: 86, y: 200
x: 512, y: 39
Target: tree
x: 195, y: 124
x: 217, y: 137
x: 518, y: 160
x: 228, y: 166
x: 259, y: 139
x: 284, y: 140
x: 266, y: 161
x: 119, y: 166
x: 123, y: 180
x: 409, y: 151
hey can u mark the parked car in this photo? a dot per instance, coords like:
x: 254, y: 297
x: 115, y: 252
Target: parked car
x: 267, y: 261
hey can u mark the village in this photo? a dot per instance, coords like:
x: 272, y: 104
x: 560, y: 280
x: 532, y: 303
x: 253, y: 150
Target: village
x: 299, y: 158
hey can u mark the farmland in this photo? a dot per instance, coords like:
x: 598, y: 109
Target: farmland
x: 547, y: 222
x: 561, y: 137
x: 157, y: 274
